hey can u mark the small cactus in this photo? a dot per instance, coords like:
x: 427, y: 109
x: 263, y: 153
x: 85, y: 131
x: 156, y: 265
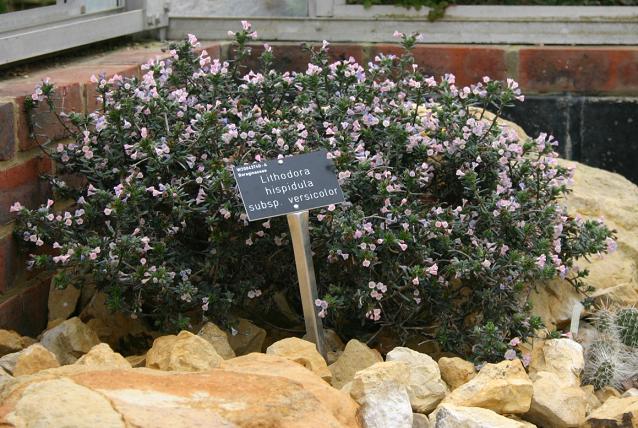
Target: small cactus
x: 612, y: 357
x: 608, y: 365
x: 626, y: 322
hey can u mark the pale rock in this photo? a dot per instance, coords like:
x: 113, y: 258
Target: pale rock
x: 341, y: 404
x: 302, y: 352
x: 103, y: 356
x: 615, y: 412
x: 63, y: 403
x: 452, y: 416
x: 30, y: 360
x: 218, y: 338
x: 333, y: 343
x: 56, y: 322
x: 563, y: 357
x: 8, y: 361
x: 69, y: 340
x: 456, y: 371
x: 5, y: 378
x: 597, y: 193
x: 632, y: 392
x: 503, y: 388
x: 425, y: 386
x: 10, y: 342
x: 592, y: 402
x: 381, y: 390
x: 137, y: 360
x: 246, y: 337
x: 607, y: 392
x: 355, y: 357
x: 113, y: 327
x: 184, y: 352
x: 62, y: 301
x: 419, y: 420
x: 555, y: 405
x: 256, y: 390
x: 34, y: 359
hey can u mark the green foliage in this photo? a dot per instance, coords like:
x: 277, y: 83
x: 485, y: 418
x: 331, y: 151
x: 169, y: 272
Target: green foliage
x: 450, y: 219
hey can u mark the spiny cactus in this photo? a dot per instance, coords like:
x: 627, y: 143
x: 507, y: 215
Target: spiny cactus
x: 626, y: 322
x: 603, y: 320
x: 608, y: 365
x: 612, y: 357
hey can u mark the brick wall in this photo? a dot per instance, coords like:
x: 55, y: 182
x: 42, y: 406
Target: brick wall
x: 586, y: 96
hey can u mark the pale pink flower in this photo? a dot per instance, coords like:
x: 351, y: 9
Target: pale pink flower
x: 433, y: 270
x: 16, y: 207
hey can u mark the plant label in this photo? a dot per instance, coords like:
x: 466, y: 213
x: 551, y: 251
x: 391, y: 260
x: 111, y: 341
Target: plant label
x: 281, y: 186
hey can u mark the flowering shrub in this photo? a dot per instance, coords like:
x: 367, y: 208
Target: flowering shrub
x: 450, y: 217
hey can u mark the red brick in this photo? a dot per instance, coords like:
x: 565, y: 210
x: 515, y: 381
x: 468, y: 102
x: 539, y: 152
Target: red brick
x: 128, y: 56
x: 8, y: 263
x: 90, y: 93
x: 468, y: 63
x: 10, y: 312
x: 294, y: 57
x: 22, y: 183
x: 214, y: 49
x: 35, y: 307
x: 579, y: 69
x: 7, y: 131
x: 43, y: 125
x: 340, y: 52
x: 26, y: 311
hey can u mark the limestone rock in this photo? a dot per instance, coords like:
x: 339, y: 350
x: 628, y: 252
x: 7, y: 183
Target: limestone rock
x: 62, y: 301
x: 344, y: 407
x: 184, y: 352
x: 115, y: 328
x: 69, y: 340
x: 30, y: 360
x: 103, y: 356
x: 381, y: 390
x: 246, y: 337
x: 253, y: 391
x: 356, y: 356
x: 420, y: 421
x: 62, y: 403
x: 10, y: 341
x: 218, y: 338
x: 563, y: 357
x: 456, y: 371
x: 5, y: 378
x: 302, y: 352
x: 615, y: 412
x: 633, y: 392
x: 451, y: 416
x: 503, y: 388
x: 334, y: 345
x: 607, y: 392
x: 555, y: 405
x: 425, y: 386
x: 137, y: 360
x: 592, y: 402
x: 598, y: 193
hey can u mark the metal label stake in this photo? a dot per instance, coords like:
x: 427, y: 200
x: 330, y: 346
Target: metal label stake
x: 298, y: 223
x: 291, y: 186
